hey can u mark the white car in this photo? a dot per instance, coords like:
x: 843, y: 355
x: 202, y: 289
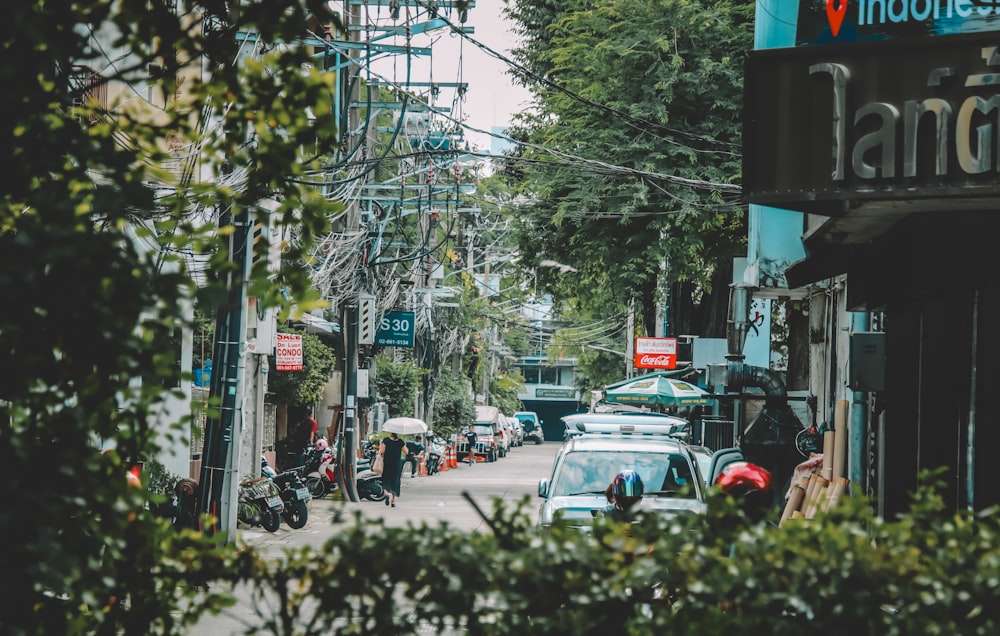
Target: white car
x: 587, y: 463
x: 518, y: 430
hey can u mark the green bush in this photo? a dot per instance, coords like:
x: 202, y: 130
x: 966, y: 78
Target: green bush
x: 849, y: 573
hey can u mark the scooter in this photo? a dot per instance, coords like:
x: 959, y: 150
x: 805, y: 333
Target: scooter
x: 435, y: 455
x: 294, y: 493
x: 320, y: 470
x: 259, y: 504
x: 369, y: 484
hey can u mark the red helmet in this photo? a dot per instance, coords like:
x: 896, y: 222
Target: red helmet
x: 741, y: 478
x: 321, y: 444
x: 749, y: 482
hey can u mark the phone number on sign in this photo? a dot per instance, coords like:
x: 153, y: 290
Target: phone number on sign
x: 394, y: 343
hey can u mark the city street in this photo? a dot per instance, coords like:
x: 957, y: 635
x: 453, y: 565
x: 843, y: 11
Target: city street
x: 423, y: 499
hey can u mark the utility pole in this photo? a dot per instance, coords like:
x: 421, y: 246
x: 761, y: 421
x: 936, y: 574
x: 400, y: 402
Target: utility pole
x: 630, y: 339
x: 220, y: 457
x: 349, y: 311
x: 221, y: 448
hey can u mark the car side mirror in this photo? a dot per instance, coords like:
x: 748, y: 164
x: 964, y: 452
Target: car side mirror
x: 543, y: 488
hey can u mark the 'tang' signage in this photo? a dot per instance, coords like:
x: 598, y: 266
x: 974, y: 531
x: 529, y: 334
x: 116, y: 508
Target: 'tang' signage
x: 909, y: 121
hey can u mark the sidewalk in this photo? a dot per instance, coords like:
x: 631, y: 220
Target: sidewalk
x: 429, y: 499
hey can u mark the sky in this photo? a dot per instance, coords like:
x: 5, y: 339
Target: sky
x: 492, y: 98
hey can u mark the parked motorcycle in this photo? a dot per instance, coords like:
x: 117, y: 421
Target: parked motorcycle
x: 294, y: 493
x: 369, y: 484
x: 320, y: 469
x: 435, y: 455
x: 259, y: 504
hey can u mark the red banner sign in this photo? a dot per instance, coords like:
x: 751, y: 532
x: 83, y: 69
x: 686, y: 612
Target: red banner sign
x: 656, y: 353
x: 288, y: 354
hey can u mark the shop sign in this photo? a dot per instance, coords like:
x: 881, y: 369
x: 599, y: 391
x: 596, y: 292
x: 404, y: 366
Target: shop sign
x: 655, y: 353
x: 844, y: 21
x: 828, y: 128
x: 555, y: 393
x: 288, y: 352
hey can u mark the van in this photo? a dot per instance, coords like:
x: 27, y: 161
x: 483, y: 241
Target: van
x: 531, y: 425
x: 487, y: 427
x: 490, y: 416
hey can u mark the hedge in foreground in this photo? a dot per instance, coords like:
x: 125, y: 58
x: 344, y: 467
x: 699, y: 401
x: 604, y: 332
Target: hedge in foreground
x: 848, y: 573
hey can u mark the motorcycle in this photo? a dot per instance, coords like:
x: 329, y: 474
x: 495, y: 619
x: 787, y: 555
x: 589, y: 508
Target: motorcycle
x: 320, y: 470
x: 369, y: 483
x: 435, y: 455
x: 259, y: 504
x: 294, y: 493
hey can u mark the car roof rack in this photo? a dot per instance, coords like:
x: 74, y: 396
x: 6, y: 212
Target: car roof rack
x: 626, y: 428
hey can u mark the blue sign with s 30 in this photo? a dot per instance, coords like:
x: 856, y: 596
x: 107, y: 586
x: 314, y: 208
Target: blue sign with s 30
x: 395, y: 330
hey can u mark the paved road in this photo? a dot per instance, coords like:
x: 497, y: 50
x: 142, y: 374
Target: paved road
x: 429, y: 499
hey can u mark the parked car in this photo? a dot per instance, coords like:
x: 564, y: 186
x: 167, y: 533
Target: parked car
x: 587, y: 463
x: 507, y: 424
x: 531, y: 425
x: 489, y: 436
x: 486, y: 443
x: 517, y: 430
x: 491, y: 416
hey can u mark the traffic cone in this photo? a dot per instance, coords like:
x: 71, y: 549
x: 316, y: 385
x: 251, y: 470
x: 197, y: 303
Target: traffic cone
x: 445, y: 464
x: 422, y: 467
x: 453, y: 456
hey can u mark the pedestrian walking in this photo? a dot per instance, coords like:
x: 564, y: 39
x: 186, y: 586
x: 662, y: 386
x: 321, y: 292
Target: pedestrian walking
x: 392, y: 449
x: 415, y: 449
x: 470, y: 438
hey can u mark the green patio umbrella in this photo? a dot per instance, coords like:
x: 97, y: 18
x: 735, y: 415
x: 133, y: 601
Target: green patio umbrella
x: 657, y: 388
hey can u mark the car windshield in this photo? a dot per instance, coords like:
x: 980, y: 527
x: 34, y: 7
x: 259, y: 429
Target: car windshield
x: 483, y: 429
x: 592, y: 472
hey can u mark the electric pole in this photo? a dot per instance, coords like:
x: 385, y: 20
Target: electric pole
x: 220, y: 456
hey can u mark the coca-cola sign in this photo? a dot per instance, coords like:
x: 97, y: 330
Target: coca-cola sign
x: 656, y: 353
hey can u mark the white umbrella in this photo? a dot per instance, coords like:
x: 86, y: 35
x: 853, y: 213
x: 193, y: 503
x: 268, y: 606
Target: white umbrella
x: 404, y: 425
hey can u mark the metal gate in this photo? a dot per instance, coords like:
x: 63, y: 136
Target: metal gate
x: 716, y: 432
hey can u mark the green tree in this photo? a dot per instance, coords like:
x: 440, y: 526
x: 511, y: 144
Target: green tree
x: 503, y: 392
x: 303, y: 388
x: 635, y: 152
x: 454, y: 408
x: 396, y: 385
x: 100, y: 210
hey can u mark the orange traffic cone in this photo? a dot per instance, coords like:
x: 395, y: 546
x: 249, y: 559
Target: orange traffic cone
x: 422, y: 467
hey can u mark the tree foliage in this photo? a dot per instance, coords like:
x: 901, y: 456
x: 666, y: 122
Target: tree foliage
x: 454, y: 407
x: 635, y: 148
x: 396, y: 385
x: 503, y: 392
x: 107, y: 234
